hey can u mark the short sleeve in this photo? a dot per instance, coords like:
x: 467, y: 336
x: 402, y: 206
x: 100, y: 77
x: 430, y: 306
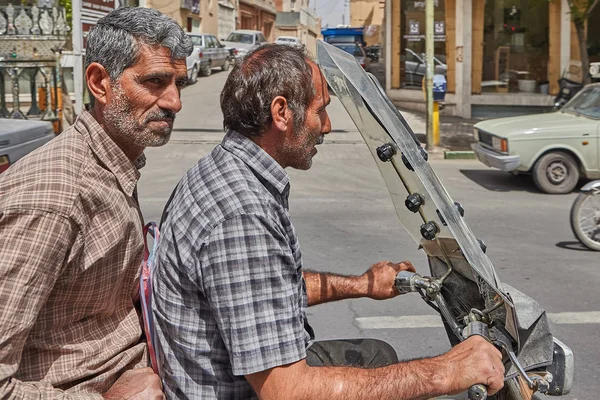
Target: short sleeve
x: 254, y: 289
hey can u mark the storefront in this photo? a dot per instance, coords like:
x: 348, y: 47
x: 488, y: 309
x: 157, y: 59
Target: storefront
x: 499, y: 57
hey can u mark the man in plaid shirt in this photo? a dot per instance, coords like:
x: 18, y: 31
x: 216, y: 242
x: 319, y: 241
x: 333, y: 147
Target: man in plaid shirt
x: 71, y: 228
x: 230, y: 292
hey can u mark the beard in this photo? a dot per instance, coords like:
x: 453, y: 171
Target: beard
x: 300, y: 155
x: 125, y: 128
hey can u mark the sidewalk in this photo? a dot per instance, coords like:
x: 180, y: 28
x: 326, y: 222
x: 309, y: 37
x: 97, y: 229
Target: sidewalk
x: 456, y: 133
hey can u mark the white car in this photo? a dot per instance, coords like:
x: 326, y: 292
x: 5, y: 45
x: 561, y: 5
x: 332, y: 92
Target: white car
x: 595, y: 71
x: 289, y: 40
x: 208, y: 53
x: 19, y: 137
x: 556, y: 148
x: 244, y: 41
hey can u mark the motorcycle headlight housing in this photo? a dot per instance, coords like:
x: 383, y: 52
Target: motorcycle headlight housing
x: 500, y: 144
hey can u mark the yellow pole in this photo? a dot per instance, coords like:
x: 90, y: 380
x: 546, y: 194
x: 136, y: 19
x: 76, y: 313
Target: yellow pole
x: 436, y: 123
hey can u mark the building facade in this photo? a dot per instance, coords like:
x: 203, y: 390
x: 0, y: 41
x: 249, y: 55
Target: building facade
x: 499, y: 57
x: 227, y: 18
x: 193, y: 16
x: 370, y: 15
x: 295, y: 18
x: 257, y: 15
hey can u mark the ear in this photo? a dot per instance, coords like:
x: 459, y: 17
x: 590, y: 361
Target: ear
x: 280, y: 113
x: 98, y: 82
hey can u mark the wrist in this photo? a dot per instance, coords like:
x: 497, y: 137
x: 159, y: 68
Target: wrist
x: 442, y: 375
x: 361, y: 284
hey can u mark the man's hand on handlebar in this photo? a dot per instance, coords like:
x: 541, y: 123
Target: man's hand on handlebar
x: 380, y: 279
x: 474, y: 361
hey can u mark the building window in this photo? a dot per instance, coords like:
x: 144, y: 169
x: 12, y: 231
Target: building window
x: 515, y: 46
x: 412, y: 43
x: 189, y: 25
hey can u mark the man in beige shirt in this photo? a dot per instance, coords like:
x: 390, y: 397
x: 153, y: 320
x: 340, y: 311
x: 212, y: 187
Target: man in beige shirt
x: 71, y: 228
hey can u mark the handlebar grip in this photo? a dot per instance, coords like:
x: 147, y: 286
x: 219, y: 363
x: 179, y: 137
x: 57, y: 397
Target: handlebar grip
x: 477, y: 392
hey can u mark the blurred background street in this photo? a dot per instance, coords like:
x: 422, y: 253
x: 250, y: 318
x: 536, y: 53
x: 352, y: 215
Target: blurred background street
x: 345, y: 222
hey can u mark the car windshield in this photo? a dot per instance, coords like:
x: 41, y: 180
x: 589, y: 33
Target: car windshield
x: 586, y: 103
x: 286, y: 40
x: 350, y: 48
x: 239, y: 38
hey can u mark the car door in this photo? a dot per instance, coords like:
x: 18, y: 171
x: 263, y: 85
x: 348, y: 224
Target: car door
x: 260, y: 39
x: 221, y: 53
x: 210, y: 50
x: 414, y: 69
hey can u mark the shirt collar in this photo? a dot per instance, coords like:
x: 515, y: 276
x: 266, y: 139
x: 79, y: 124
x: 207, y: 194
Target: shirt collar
x: 258, y: 160
x: 108, y: 152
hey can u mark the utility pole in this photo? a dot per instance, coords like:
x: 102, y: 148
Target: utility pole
x: 78, y: 54
x: 429, y: 20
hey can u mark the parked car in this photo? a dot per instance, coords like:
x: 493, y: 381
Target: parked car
x: 244, y: 41
x: 290, y: 40
x: 595, y: 71
x: 556, y: 148
x: 357, y: 51
x: 373, y: 52
x: 18, y: 137
x: 208, y: 53
x: 415, y: 68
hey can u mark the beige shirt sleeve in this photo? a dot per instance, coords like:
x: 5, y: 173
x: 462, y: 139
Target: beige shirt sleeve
x: 33, y: 246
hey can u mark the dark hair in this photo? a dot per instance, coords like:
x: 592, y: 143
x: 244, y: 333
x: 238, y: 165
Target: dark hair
x: 115, y: 41
x: 271, y: 70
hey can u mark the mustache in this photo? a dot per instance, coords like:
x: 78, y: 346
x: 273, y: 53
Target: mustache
x: 160, y: 115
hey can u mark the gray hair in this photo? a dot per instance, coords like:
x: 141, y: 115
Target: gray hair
x: 116, y: 39
x: 271, y: 70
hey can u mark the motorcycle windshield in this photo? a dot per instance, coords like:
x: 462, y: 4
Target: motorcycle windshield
x: 360, y: 95
x: 436, y: 223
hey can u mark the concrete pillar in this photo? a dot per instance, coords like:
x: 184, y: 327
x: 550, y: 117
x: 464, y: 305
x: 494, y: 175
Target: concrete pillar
x: 387, y: 53
x: 565, y: 35
x: 464, y: 23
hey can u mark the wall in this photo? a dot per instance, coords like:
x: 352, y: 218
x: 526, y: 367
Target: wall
x: 368, y: 13
x: 226, y: 21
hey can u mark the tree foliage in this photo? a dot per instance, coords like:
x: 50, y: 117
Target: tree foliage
x: 580, y: 12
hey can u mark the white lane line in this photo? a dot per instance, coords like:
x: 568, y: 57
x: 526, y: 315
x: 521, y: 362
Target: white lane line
x: 434, y: 321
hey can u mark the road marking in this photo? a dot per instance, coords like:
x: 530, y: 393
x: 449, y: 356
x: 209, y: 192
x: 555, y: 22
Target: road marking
x: 434, y: 321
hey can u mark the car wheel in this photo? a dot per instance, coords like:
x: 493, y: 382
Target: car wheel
x: 207, y: 69
x: 226, y: 65
x: 194, y: 78
x: 556, y: 173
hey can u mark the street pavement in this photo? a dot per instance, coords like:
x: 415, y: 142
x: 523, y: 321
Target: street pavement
x: 345, y: 222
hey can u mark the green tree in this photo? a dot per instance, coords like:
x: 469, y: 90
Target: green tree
x: 68, y: 5
x: 580, y: 13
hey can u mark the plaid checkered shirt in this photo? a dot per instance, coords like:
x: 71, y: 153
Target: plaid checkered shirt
x: 229, y: 297
x: 70, y: 253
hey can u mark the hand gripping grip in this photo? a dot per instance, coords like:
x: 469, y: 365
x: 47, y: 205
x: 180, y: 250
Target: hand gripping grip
x: 477, y: 392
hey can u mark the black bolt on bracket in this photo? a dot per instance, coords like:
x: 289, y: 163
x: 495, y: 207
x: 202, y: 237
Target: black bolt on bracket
x: 386, y: 151
x: 441, y: 218
x: 429, y: 230
x: 459, y: 208
x: 406, y: 163
x: 482, y: 245
x: 414, y: 201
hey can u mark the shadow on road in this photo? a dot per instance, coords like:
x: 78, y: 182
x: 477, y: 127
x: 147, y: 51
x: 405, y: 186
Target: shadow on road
x: 499, y: 181
x: 574, y: 245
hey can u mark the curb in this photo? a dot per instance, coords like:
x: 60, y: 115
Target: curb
x: 459, y: 155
